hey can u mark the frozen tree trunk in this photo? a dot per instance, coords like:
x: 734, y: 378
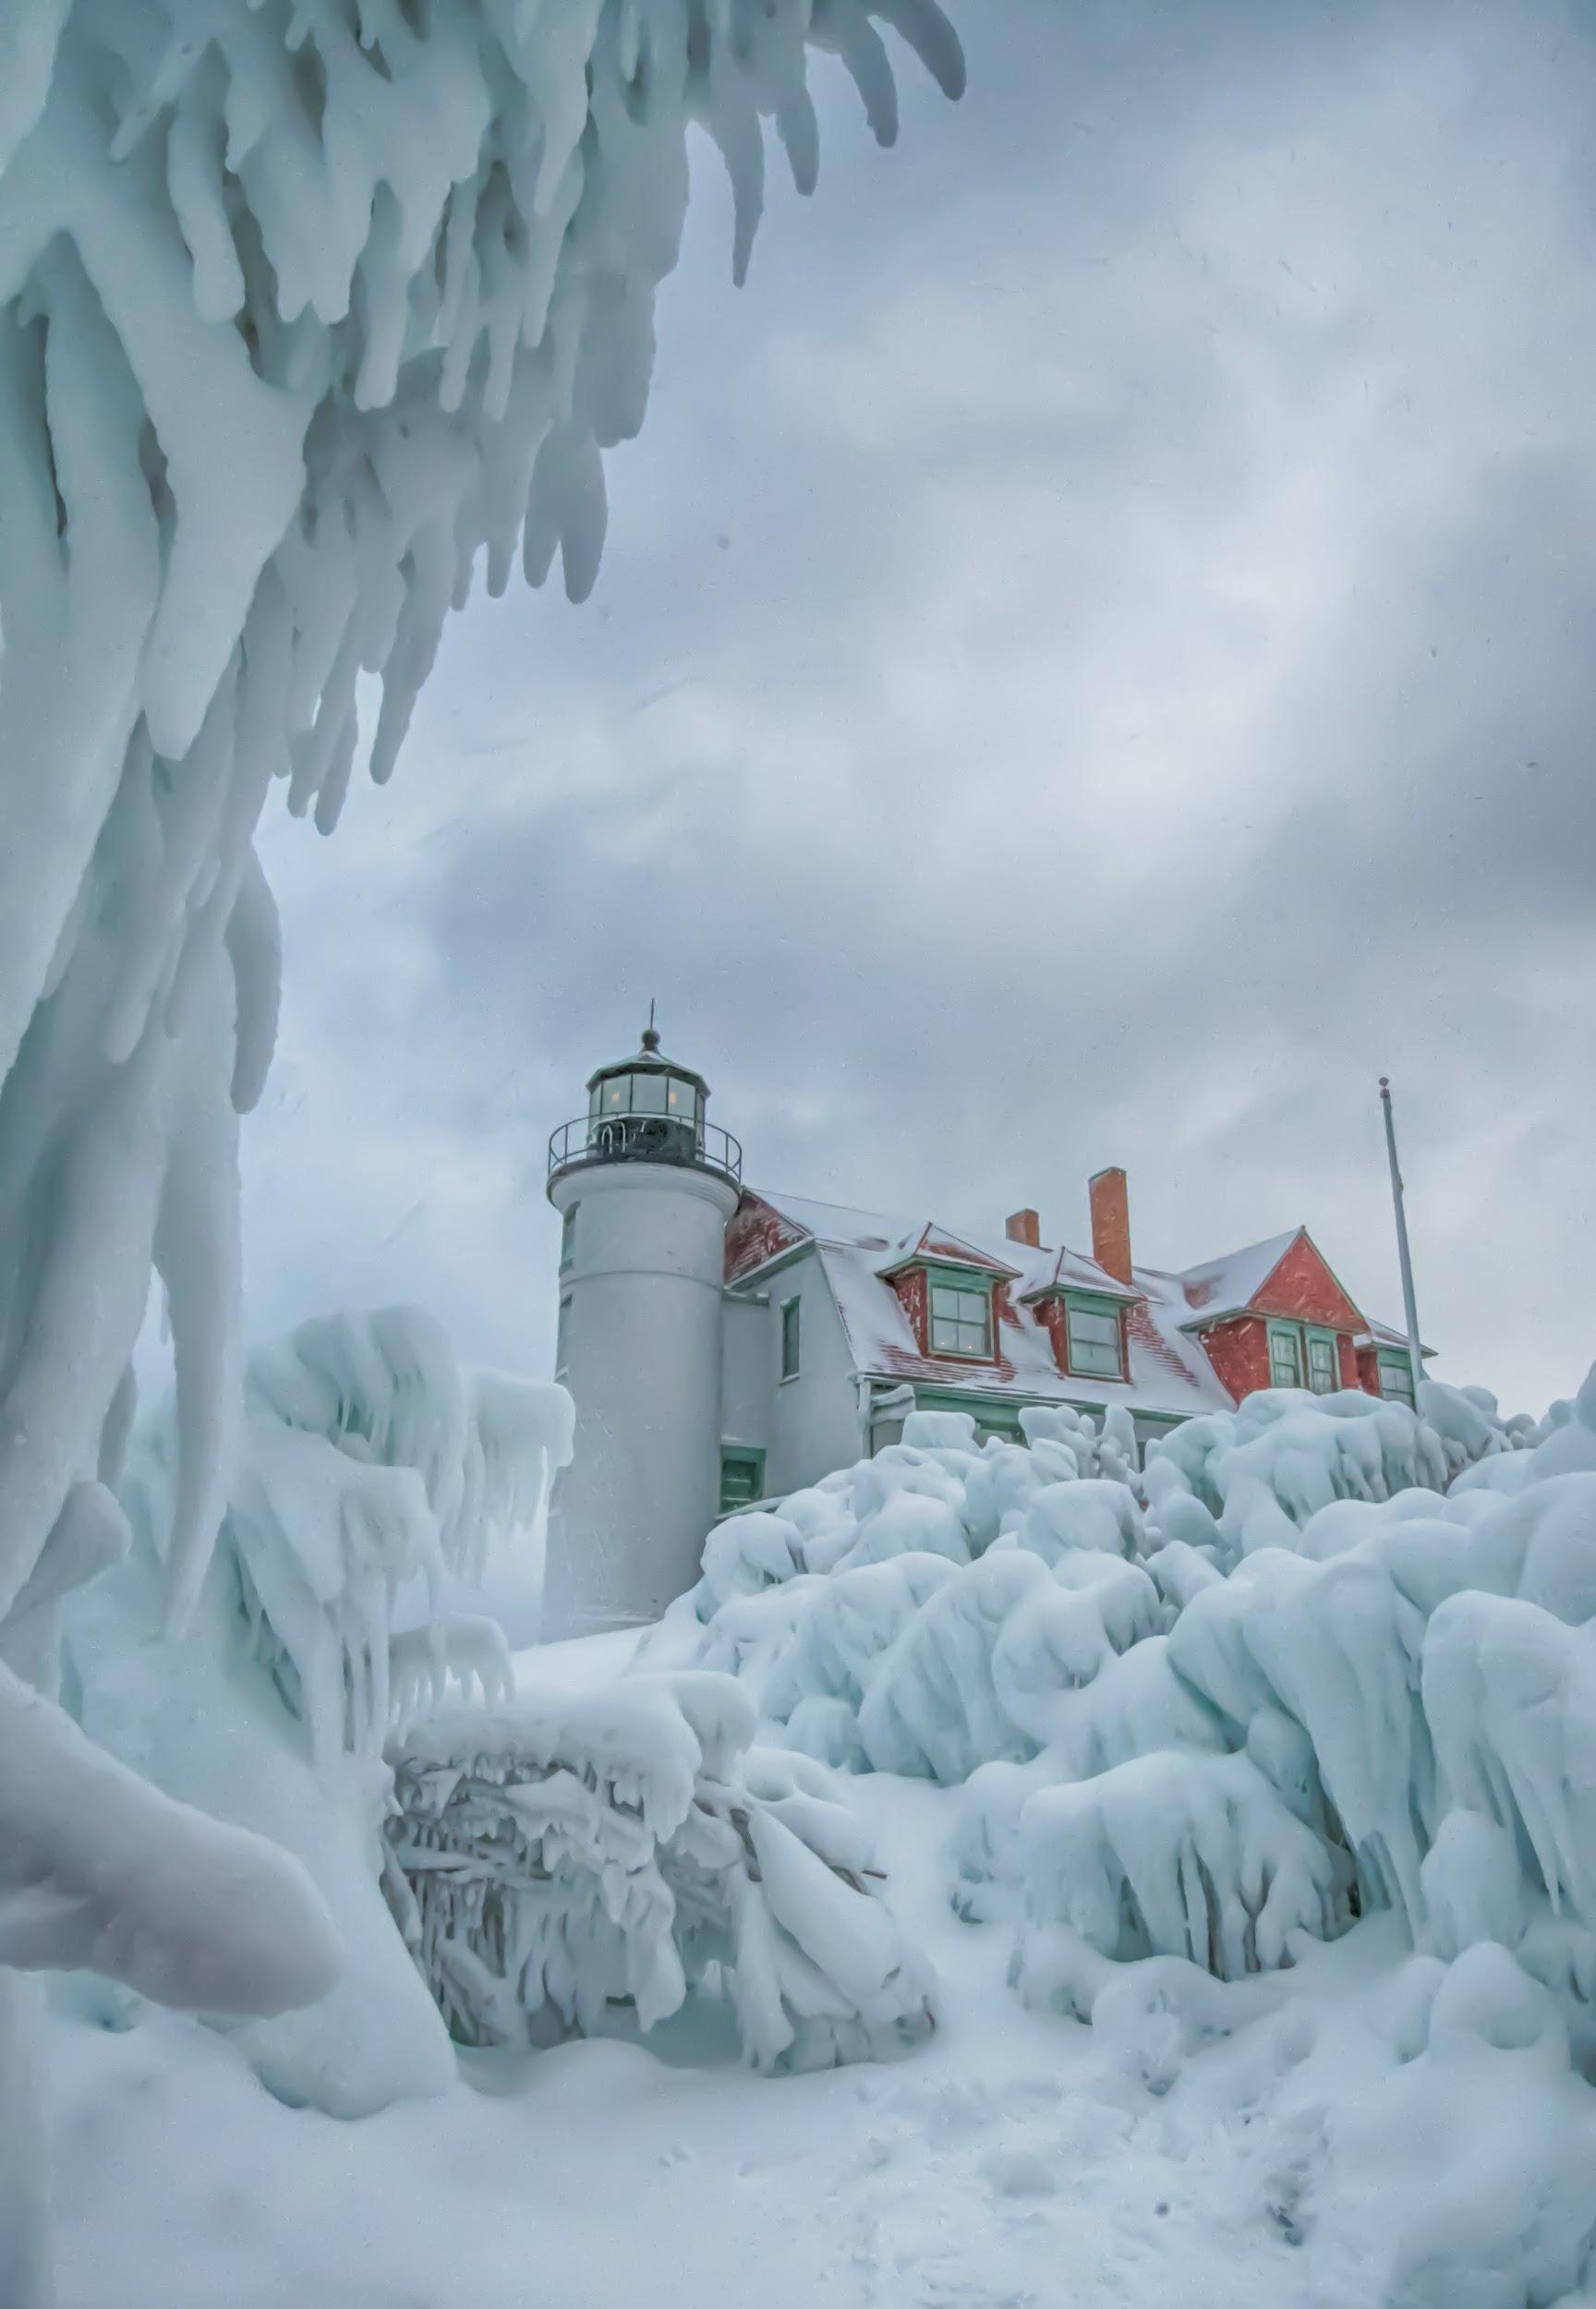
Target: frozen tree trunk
x: 305, y: 305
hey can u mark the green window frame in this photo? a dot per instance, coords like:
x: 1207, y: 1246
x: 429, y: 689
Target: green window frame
x: 742, y: 1476
x: 1324, y: 1363
x: 1094, y: 1340
x: 1285, y: 1354
x: 792, y: 1336
x: 1397, y: 1379
x: 568, y: 1236
x: 960, y: 1317
x: 562, y: 1336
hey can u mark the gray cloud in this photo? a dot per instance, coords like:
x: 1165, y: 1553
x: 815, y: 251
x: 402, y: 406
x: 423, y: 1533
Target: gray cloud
x: 1091, y: 663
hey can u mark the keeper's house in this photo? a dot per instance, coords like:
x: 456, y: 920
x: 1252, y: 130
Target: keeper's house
x: 726, y: 1346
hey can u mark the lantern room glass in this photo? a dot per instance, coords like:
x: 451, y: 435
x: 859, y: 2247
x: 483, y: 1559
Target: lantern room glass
x: 647, y: 1092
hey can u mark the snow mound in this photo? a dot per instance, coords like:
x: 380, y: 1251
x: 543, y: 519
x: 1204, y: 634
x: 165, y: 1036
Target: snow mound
x: 556, y: 1859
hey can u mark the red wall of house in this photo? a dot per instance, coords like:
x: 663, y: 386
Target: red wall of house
x: 1302, y: 1289
x: 755, y: 1233
x: 1049, y: 1313
x: 915, y: 1295
x: 1351, y: 1363
x: 1366, y: 1362
x: 1239, y: 1353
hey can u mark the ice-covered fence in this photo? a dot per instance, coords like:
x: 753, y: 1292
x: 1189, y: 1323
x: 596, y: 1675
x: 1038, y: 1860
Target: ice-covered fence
x: 554, y: 1860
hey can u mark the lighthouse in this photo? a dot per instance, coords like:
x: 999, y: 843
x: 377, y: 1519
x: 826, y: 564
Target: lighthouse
x: 644, y: 1185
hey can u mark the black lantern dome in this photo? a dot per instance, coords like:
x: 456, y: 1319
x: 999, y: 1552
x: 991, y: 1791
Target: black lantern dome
x: 645, y: 1108
x: 648, y: 1083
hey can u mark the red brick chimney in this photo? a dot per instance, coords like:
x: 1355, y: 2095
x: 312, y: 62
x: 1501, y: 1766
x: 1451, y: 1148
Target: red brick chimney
x: 1024, y: 1226
x: 1111, y: 1223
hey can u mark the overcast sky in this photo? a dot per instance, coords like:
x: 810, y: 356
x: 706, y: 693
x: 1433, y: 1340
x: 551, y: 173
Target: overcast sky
x: 1092, y: 663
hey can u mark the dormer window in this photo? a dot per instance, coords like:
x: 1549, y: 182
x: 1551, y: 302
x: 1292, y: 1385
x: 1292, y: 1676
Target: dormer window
x: 1396, y: 1377
x: 961, y: 1315
x: 1087, y: 1329
x: 1285, y: 1354
x: 1094, y: 1341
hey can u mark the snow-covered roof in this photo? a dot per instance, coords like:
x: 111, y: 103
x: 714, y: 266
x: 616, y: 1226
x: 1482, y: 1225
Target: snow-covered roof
x: 1170, y: 1372
x: 1072, y: 1271
x: 931, y: 1241
x: 1384, y: 1334
x: 1228, y: 1285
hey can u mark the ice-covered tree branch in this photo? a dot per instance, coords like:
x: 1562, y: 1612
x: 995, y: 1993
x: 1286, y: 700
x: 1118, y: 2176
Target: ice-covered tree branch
x: 306, y: 306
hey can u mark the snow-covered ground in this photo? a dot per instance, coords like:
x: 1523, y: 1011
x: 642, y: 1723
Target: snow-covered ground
x: 1273, y: 1759
x: 1013, y: 2161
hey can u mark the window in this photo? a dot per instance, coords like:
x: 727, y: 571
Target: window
x: 961, y: 1318
x: 568, y: 1236
x: 1093, y: 1331
x: 646, y: 1093
x: 1323, y: 1363
x: 1397, y: 1379
x: 1285, y: 1357
x: 790, y: 1310
x: 742, y: 1476
x: 562, y: 1338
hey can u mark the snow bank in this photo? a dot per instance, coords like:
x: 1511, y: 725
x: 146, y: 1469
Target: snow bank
x: 553, y: 1861
x: 371, y: 1470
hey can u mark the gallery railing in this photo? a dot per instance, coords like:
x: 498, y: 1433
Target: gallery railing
x: 645, y: 1138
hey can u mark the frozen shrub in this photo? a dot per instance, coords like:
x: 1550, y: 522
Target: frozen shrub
x: 553, y: 1862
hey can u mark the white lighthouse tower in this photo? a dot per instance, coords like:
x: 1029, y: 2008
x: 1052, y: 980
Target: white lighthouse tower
x: 645, y: 1186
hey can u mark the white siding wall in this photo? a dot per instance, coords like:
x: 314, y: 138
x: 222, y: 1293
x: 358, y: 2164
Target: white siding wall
x: 814, y: 1420
x: 643, y: 1355
x: 748, y: 1369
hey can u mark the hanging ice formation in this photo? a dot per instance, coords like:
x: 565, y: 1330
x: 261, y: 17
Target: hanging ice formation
x: 1309, y: 1663
x: 628, y: 1848
x: 372, y: 1473
x: 305, y: 305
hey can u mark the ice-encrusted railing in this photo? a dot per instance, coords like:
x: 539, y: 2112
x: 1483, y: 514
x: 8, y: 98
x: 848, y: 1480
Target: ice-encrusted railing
x: 555, y: 1863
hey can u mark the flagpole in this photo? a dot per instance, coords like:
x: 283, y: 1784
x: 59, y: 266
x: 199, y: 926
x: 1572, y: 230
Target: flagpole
x: 1404, y: 1255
